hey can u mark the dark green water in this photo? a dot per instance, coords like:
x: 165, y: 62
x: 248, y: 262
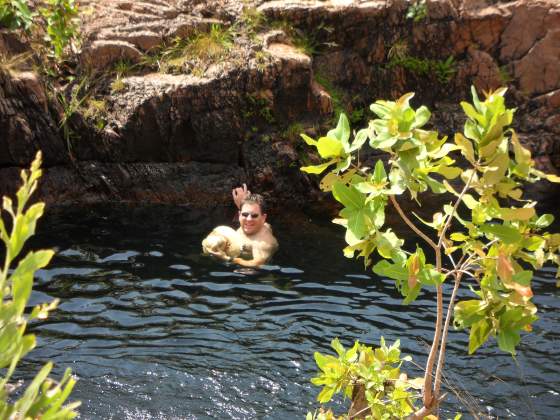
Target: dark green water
x: 154, y: 330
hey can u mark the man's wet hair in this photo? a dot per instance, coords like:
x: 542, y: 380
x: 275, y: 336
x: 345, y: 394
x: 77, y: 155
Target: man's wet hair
x: 255, y: 199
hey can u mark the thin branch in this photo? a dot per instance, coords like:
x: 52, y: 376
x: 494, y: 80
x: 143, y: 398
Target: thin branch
x: 428, y: 392
x: 448, y: 221
x: 427, y: 400
x: 410, y: 224
x: 450, y: 256
x: 441, y: 358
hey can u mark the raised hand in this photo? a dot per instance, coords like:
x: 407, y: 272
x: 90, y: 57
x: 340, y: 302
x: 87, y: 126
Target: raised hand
x: 239, y: 195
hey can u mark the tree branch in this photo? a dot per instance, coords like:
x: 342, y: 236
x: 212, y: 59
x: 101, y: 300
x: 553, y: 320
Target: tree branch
x: 410, y: 224
x: 441, y: 358
x: 448, y: 221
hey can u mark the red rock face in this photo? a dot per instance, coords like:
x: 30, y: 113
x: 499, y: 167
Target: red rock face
x: 173, y: 137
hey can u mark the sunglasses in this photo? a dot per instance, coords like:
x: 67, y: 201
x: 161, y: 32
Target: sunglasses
x: 246, y: 215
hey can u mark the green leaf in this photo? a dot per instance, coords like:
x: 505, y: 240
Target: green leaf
x: 24, y: 403
x: 515, y: 213
x: 356, y: 226
x: 341, y: 133
x: 479, y: 334
x: 459, y: 237
x: 387, y: 243
x: 450, y: 172
x: 382, y: 108
x: 329, y: 147
x: 436, y: 186
x: 472, y: 114
x: 471, y: 131
x: 348, y: 196
x: 317, y: 169
x: 338, y: 347
x: 25, y: 227
x: 383, y: 142
x: 523, y: 277
x: 308, y: 140
x: 431, y: 277
x: 466, y: 147
x: 496, y: 170
x: 522, y: 155
x: 507, y: 340
x: 423, y: 115
x: 544, y: 221
x: 325, y: 395
x: 379, y: 174
x: 476, y: 101
x: 507, y: 234
x: 359, y: 140
x: 22, y: 277
x: 393, y: 271
x: 468, y: 312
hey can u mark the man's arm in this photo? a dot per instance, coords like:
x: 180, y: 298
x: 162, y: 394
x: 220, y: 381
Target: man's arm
x: 249, y: 263
x: 239, y: 195
x: 261, y: 254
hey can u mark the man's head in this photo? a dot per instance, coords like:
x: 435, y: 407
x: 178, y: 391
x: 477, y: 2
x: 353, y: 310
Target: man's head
x: 252, y: 216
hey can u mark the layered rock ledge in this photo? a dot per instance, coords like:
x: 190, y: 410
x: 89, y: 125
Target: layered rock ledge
x: 190, y: 134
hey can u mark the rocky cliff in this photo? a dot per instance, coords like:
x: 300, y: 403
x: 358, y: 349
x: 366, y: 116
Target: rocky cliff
x: 178, y: 101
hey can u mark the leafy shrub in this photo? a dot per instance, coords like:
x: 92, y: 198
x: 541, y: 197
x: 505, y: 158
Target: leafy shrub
x: 499, y: 238
x: 374, y: 373
x: 417, y: 11
x: 61, y: 24
x: 43, y: 397
x: 444, y: 70
x: 15, y: 14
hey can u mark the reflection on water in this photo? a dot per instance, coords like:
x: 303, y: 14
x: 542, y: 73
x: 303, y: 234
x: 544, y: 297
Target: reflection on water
x: 155, y: 330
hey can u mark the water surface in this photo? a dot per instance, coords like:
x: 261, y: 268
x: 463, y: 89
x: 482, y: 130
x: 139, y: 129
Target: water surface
x: 154, y: 330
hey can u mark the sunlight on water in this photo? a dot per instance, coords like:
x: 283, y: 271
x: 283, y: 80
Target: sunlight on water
x: 155, y: 330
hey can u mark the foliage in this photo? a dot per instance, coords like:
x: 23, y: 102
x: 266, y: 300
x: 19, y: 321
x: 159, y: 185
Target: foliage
x: 505, y: 75
x: 14, y: 63
x: 337, y: 96
x: 61, y: 18
x: 202, y: 46
x: 257, y: 105
x: 398, y: 51
x: 444, y: 70
x: 375, y: 372
x: 292, y: 131
x: 43, y: 397
x: 306, y: 41
x: 118, y: 85
x: 500, y: 238
x: 15, y: 14
x: 71, y: 105
x: 251, y: 19
x: 417, y: 11
x: 96, y: 110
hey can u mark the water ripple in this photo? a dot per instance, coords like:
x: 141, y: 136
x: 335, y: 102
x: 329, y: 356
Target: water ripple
x: 154, y: 330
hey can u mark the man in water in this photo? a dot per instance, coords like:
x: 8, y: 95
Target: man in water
x: 258, y: 241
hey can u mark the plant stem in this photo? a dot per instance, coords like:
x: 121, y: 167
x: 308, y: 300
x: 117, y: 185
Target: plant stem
x: 410, y: 224
x: 428, y: 392
x: 441, y: 358
x: 450, y: 217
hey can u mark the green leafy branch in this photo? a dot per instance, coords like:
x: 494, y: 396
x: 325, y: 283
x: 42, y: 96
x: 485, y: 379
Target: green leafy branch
x: 499, y: 234
x: 373, y: 374
x: 43, y: 398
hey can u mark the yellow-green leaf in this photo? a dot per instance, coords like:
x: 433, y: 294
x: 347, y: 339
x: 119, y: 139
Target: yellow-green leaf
x: 329, y: 147
x: 317, y: 169
x: 523, y: 213
x: 466, y: 146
